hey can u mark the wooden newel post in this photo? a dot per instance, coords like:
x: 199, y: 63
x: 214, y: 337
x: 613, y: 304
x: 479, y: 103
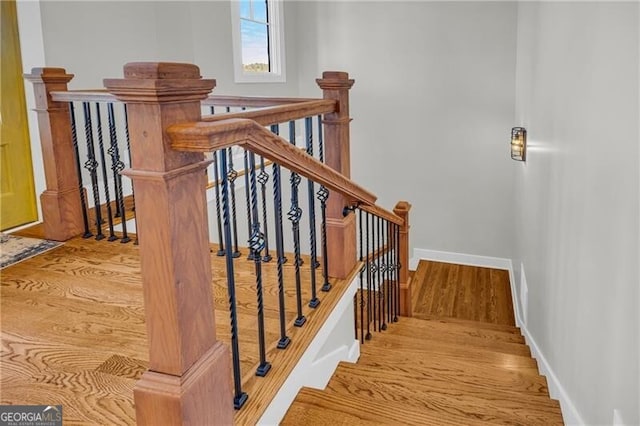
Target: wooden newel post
x: 189, y: 376
x: 341, y: 231
x: 402, y: 209
x: 61, y: 207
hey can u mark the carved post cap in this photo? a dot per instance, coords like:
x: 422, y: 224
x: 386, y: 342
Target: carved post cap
x: 161, y: 71
x: 402, y: 208
x: 48, y: 75
x: 160, y: 82
x: 335, y: 80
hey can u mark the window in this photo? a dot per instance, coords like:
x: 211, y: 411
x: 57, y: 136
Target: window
x: 258, y: 41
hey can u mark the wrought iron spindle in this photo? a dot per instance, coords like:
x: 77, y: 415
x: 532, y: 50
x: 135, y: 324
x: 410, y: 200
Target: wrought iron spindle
x: 323, y: 196
x: 239, y: 397
x: 231, y: 176
x: 386, y: 271
x: 382, y: 324
x: 216, y: 176
x: 133, y: 193
x: 116, y: 167
x: 83, y: 200
x: 92, y: 165
x: 397, y: 271
x: 263, y: 178
x: 368, y: 263
x: 314, y: 302
x: 247, y: 198
x: 275, y: 128
x: 277, y: 199
x: 112, y: 235
x: 362, y: 269
x: 256, y: 244
x: 294, y: 215
x: 374, y: 270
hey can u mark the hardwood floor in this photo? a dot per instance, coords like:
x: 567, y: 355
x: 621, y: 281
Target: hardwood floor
x: 73, y: 329
x: 447, y: 290
x: 460, y: 360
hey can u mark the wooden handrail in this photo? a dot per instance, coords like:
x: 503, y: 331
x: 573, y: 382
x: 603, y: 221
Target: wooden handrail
x: 210, y: 136
x: 280, y: 113
x: 102, y: 95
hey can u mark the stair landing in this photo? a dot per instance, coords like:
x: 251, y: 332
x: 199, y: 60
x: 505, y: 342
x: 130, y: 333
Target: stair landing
x: 461, y: 360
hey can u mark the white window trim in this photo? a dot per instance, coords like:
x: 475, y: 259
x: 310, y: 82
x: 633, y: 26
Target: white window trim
x: 276, y: 45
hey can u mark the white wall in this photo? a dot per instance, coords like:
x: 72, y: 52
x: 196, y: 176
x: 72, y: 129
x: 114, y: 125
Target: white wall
x: 578, y: 204
x: 93, y: 40
x: 432, y: 109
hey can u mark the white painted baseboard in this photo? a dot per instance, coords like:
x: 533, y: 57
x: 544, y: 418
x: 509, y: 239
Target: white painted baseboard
x: 570, y: 413
x: 459, y: 258
x: 335, y: 342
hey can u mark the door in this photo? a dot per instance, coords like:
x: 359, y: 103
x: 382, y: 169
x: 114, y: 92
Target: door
x: 17, y: 194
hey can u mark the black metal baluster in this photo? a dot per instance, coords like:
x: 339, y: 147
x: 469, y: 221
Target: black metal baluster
x: 216, y: 176
x: 381, y: 267
x: 212, y: 109
x: 263, y: 178
x: 247, y: 198
x: 240, y: 397
x: 92, y: 165
x: 314, y: 302
x: 277, y: 199
x: 83, y: 200
x: 374, y: 270
x: 116, y: 167
x: 133, y: 194
x: 386, y: 271
x: 294, y: 215
x: 256, y: 244
x: 362, y: 269
x: 368, y: 263
x: 275, y: 128
x: 232, y: 175
x: 112, y: 236
x: 323, y: 196
x: 397, y: 271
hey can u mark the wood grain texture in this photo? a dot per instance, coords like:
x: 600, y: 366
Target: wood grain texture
x: 463, y: 292
x: 73, y: 328
x: 439, y: 370
x: 61, y: 211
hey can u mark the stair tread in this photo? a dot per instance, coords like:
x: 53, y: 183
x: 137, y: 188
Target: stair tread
x: 505, y: 374
x: 469, y: 388
x: 445, y: 333
x: 456, y: 402
x: 456, y: 349
x: 466, y: 328
x: 317, y: 407
x: 479, y: 324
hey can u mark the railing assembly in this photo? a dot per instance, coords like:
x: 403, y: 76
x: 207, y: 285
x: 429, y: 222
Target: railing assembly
x: 156, y: 128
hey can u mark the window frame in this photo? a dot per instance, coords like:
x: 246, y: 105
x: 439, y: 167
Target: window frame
x: 275, y: 18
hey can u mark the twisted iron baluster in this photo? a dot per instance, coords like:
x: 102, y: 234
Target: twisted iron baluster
x: 277, y: 198
x: 240, y: 397
x: 133, y: 194
x: 92, y: 165
x: 112, y: 236
x: 116, y: 167
x: 368, y: 264
x: 323, y: 196
x: 247, y: 198
x: 362, y: 268
x: 256, y: 244
x: 83, y: 201
x: 216, y: 176
x: 263, y: 178
x: 294, y: 215
x: 397, y: 271
x: 232, y: 175
x: 314, y: 302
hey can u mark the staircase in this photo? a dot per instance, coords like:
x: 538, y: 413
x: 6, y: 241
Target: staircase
x: 434, y: 370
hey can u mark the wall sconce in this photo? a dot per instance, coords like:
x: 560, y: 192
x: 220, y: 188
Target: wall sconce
x: 519, y: 144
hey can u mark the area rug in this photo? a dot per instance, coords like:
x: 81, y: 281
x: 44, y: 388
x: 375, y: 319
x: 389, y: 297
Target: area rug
x: 14, y: 249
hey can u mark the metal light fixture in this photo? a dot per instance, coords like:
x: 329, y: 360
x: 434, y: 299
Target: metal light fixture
x: 519, y: 144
